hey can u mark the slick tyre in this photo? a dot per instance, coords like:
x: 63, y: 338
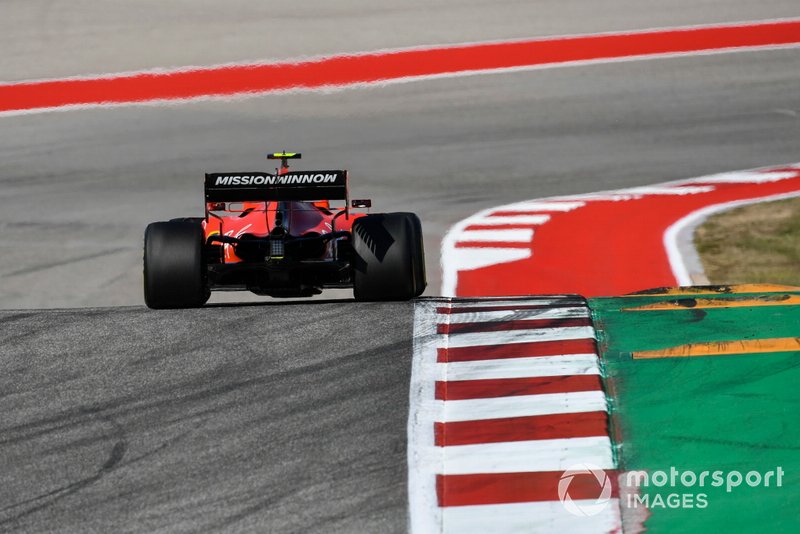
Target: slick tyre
x: 174, y: 271
x: 389, y: 259
x: 196, y: 220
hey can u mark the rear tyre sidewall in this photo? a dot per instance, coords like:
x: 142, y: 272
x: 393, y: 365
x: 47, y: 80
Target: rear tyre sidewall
x: 174, y: 270
x: 389, y: 260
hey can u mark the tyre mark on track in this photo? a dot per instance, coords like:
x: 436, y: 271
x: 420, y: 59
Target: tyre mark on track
x: 53, y: 265
x: 115, y: 456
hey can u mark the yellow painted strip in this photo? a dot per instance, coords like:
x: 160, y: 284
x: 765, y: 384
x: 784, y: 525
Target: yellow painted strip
x: 721, y: 348
x: 710, y: 290
x: 774, y: 299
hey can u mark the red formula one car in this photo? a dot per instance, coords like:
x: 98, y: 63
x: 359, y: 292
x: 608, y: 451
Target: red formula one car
x: 282, y: 235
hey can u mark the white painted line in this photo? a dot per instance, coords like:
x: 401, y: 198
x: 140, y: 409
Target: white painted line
x: 528, y: 456
x: 468, y: 259
x: 746, y: 177
x: 512, y: 219
x: 528, y: 518
x: 677, y: 262
x: 636, y: 193
x: 518, y: 235
x: 573, y: 364
x: 522, y: 406
x: 515, y: 315
x: 505, y: 337
x: 550, y: 300
x: 453, y: 259
x: 674, y: 190
x: 533, y: 205
x: 424, y: 457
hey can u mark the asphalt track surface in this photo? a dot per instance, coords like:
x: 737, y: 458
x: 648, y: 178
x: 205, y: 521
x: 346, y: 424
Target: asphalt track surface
x: 228, y: 418
x: 293, y: 417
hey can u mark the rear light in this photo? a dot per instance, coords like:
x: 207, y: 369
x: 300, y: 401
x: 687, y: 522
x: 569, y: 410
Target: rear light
x: 276, y: 249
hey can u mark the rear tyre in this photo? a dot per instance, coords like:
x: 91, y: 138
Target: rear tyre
x: 389, y: 262
x: 174, y: 270
x: 196, y: 220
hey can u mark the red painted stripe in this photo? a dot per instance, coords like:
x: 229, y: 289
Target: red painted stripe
x: 553, y: 426
x: 545, y: 211
x: 381, y: 66
x: 516, y: 350
x: 509, y: 387
x: 500, y: 488
x: 502, y: 326
x: 639, y: 259
x: 513, y: 307
x: 508, y: 226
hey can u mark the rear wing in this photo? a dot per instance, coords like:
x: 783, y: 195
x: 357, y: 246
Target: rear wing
x: 258, y: 186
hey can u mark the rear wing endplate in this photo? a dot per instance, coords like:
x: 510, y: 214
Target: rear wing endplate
x: 258, y: 186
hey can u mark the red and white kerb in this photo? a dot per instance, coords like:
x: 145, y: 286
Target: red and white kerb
x: 505, y: 396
